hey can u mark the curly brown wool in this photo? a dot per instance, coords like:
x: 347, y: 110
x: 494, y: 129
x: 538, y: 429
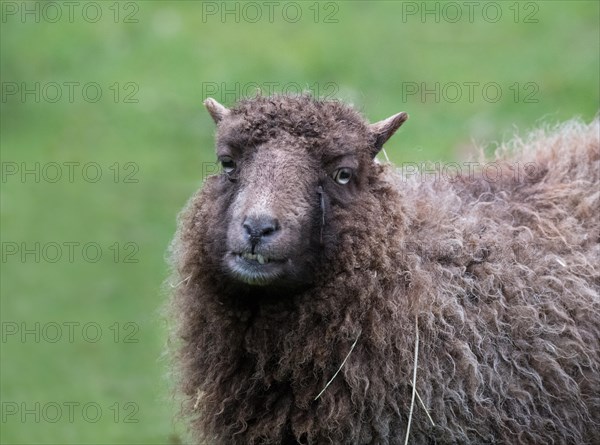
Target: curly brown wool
x: 502, y: 275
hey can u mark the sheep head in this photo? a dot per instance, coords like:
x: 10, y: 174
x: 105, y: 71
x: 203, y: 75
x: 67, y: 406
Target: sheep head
x: 287, y: 164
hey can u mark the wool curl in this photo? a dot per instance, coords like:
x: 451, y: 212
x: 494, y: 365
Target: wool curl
x: 501, y: 275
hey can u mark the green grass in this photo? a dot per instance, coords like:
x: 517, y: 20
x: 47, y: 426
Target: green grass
x: 370, y: 55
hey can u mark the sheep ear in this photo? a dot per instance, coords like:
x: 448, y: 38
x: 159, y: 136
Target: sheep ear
x: 383, y: 130
x: 216, y: 110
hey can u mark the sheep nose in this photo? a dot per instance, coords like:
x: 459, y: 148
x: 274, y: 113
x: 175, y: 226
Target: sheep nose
x: 259, y: 227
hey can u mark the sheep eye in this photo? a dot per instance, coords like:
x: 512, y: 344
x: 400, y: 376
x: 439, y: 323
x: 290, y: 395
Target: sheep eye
x: 228, y: 164
x: 342, y: 175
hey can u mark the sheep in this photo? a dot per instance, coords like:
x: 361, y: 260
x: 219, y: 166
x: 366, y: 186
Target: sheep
x: 323, y: 297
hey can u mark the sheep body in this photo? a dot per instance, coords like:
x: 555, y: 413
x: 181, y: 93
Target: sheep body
x: 500, y: 277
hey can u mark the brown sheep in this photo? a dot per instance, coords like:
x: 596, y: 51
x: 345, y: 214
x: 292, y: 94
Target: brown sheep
x: 315, y: 285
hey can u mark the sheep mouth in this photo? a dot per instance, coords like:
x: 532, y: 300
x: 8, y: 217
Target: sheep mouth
x: 255, y: 269
x: 258, y: 258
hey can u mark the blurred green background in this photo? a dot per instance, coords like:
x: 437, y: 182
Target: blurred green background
x: 64, y: 381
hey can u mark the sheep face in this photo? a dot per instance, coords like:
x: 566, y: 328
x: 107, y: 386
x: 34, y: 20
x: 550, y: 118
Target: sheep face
x: 274, y: 212
x: 283, y: 175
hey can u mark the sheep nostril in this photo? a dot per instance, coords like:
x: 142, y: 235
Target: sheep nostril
x: 261, y: 226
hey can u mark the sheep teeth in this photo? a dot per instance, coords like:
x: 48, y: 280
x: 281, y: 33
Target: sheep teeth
x: 255, y: 257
